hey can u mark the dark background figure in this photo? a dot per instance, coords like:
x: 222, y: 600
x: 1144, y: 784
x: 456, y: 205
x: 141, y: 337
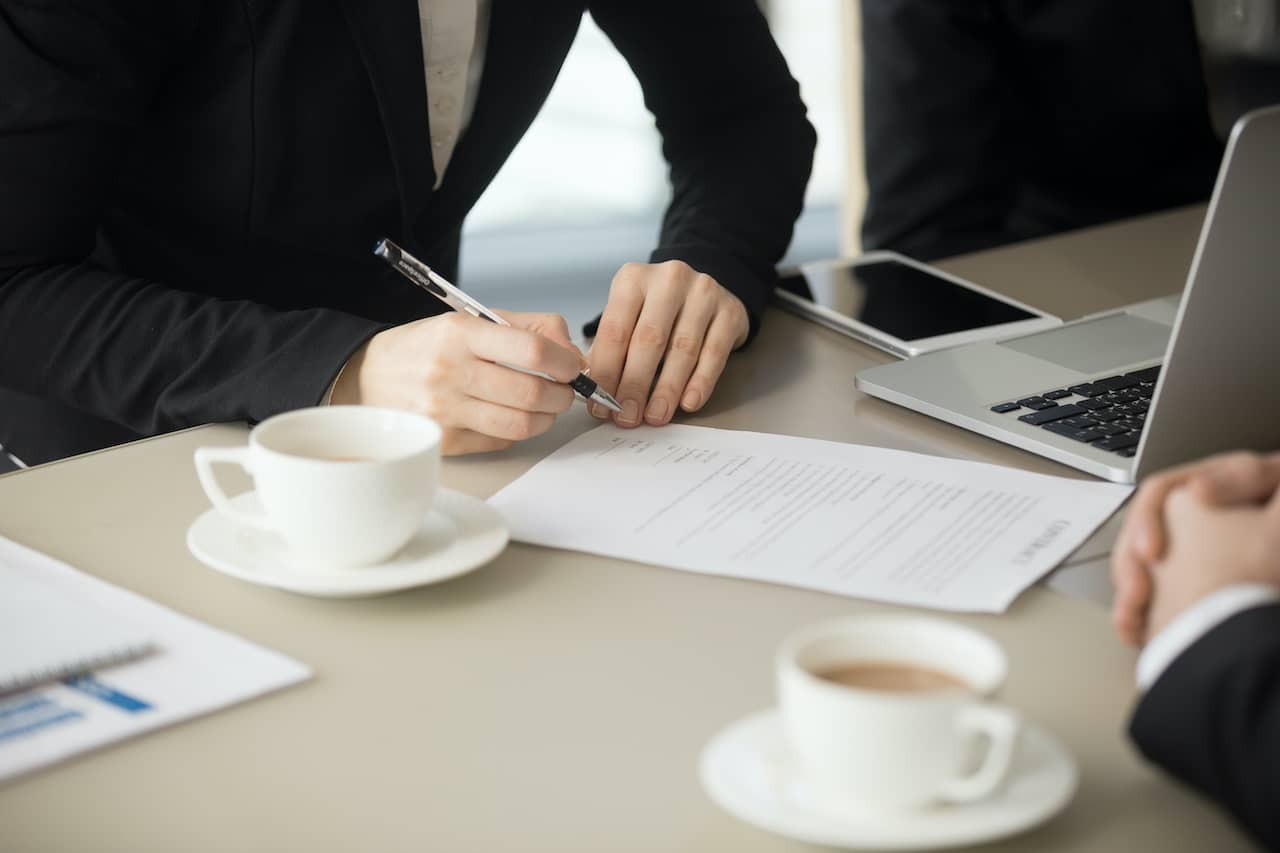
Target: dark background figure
x: 993, y: 121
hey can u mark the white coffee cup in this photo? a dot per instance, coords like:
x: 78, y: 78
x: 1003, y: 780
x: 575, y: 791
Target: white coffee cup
x: 344, y: 486
x: 860, y: 748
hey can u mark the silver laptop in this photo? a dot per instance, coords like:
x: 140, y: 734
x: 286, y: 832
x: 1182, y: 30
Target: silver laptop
x: 1131, y: 391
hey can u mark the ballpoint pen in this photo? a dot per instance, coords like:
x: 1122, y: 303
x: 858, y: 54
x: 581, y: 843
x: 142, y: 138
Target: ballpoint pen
x: 439, y: 287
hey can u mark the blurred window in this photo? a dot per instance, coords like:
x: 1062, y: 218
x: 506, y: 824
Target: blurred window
x: 584, y: 191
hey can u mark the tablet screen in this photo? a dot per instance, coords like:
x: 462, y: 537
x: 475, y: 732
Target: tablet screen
x: 902, y: 300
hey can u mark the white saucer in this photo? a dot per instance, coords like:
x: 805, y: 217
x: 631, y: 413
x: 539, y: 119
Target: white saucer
x: 460, y: 534
x: 748, y: 770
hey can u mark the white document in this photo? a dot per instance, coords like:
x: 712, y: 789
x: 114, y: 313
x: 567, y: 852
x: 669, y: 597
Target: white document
x: 46, y: 633
x: 195, y: 669
x: 859, y: 521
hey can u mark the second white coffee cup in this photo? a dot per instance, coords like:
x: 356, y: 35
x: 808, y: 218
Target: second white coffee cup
x: 887, y: 712
x: 344, y: 486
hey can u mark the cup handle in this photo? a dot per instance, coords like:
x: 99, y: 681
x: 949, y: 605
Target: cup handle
x: 205, y: 458
x: 1001, y: 726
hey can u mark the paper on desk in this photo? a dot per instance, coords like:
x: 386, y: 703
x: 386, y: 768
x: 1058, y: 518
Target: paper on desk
x: 196, y: 669
x: 859, y: 521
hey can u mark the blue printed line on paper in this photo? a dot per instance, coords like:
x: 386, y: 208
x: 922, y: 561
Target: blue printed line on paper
x: 32, y: 715
x: 90, y: 686
x: 23, y: 706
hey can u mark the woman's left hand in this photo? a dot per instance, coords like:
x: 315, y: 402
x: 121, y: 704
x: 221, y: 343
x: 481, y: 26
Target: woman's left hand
x: 670, y: 321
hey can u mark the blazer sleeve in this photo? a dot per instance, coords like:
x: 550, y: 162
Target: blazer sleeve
x: 733, y: 129
x: 1213, y: 719
x: 76, y: 79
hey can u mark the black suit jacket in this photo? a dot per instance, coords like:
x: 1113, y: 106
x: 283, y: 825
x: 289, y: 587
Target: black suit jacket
x: 1213, y: 719
x: 190, y: 192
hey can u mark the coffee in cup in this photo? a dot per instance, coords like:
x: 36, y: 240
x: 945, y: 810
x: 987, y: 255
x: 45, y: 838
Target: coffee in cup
x: 892, y: 677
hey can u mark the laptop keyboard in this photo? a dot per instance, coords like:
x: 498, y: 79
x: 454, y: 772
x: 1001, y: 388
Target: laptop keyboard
x: 1108, y: 413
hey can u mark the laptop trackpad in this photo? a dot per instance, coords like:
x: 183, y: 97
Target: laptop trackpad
x: 1093, y: 346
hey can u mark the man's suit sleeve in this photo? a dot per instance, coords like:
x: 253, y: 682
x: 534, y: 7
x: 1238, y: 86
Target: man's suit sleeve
x: 734, y: 133
x: 1213, y: 719
x: 76, y: 79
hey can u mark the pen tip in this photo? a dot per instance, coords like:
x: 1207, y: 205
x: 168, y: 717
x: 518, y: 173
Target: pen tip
x: 606, y: 399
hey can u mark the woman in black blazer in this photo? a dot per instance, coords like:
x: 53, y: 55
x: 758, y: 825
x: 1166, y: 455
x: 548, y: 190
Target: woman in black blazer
x: 189, y: 195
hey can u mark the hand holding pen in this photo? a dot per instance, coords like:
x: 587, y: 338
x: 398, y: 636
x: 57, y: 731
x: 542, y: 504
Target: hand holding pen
x: 450, y: 368
x: 439, y: 287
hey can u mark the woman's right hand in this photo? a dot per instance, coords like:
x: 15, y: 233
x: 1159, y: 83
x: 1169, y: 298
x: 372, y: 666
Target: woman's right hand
x: 451, y: 369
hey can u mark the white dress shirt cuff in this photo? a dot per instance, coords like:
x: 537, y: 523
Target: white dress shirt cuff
x: 328, y: 395
x: 1198, y: 620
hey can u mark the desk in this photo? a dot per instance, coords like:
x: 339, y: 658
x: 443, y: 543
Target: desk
x: 557, y: 701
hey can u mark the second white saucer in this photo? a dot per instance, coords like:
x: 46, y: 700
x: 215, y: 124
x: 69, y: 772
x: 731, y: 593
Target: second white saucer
x: 748, y: 770
x: 460, y: 534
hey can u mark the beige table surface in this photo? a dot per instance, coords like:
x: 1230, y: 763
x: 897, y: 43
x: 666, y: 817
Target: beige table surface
x: 558, y: 701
